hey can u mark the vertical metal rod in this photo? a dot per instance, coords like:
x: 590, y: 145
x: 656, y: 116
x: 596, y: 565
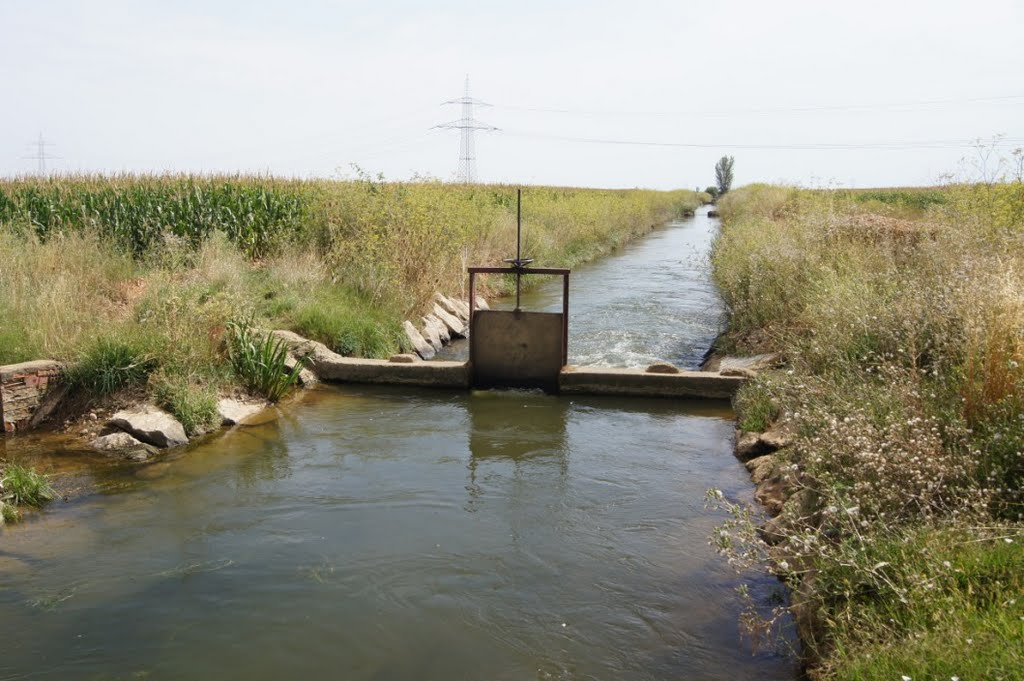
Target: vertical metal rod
x: 565, y: 319
x: 519, y: 242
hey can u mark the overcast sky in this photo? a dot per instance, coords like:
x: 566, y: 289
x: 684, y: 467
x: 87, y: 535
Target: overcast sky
x: 611, y: 94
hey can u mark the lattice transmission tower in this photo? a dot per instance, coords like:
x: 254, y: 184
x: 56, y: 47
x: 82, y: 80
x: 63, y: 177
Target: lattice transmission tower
x: 41, y: 156
x: 468, y: 127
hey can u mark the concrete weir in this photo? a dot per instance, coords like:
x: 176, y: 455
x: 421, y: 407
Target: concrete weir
x: 572, y: 380
x: 332, y: 367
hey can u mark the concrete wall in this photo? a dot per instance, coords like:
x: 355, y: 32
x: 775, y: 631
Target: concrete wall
x: 516, y: 349
x: 638, y: 383
x: 24, y: 389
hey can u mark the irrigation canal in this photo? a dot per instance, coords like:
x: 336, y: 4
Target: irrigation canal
x: 375, y: 533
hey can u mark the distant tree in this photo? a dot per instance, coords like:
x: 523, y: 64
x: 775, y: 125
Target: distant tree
x: 723, y: 174
x: 713, y: 190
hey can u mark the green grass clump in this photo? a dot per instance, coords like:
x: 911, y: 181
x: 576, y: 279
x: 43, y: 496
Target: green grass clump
x: 261, y: 361
x: 110, y: 364
x: 22, y: 486
x: 194, y: 404
x: 348, y: 324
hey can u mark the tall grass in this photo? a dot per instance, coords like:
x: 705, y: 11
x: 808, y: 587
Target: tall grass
x: 900, y: 315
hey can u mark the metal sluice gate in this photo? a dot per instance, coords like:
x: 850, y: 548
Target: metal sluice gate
x: 516, y: 348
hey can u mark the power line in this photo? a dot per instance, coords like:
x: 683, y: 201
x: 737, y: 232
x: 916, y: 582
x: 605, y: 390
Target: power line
x: 41, y: 156
x: 467, y: 125
x: 906, y: 106
x: 823, y: 146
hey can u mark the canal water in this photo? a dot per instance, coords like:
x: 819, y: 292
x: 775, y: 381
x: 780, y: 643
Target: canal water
x: 382, y: 533
x: 650, y: 301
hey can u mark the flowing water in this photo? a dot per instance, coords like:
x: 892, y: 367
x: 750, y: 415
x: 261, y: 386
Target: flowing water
x: 382, y: 533
x: 650, y: 301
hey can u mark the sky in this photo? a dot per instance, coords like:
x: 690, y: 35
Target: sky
x: 601, y: 94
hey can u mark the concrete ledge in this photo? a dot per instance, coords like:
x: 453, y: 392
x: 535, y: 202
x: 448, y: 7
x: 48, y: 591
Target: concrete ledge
x: 382, y: 371
x: 575, y: 380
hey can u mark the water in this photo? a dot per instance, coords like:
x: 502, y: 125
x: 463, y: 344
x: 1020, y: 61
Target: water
x: 650, y: 301
x: 384, y: 533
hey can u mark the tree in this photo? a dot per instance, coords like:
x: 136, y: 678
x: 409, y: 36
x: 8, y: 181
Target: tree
x: 723, y: 174
x: 713, y: 190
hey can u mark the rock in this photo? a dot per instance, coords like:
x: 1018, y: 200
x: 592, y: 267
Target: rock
x: 456, y: 308
x: 774, y: 531
x: 317, y: 353
x: 712, y: 213
x: 662, y: 368
x: 442, y: 331
x: 761, y: 468
x: 403, y: 359
x: 432, y: 335
x: 456, y: 327
x: 123, y: 445
x: 114, y: 442
x: 151, y: 425
x: 776, y: 439
x: 306, y: 377
x: 798, y: 511
x: 748, y: 366
x: 234, y: 411
x: 419, y: 344
x: 749, y: 446
x: 481, y: 304
x: 462, y: 307
x: 772, y: 493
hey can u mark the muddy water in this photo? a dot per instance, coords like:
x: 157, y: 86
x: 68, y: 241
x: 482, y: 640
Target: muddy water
x: 373, y: 533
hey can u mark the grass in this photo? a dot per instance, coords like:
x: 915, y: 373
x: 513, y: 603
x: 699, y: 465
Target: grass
x: 109, y: 364
x: 901, y: 318
x: 21, y: 486
x: 192, y: 402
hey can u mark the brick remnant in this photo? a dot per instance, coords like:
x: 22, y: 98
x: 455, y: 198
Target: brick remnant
x: 23, y: 389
